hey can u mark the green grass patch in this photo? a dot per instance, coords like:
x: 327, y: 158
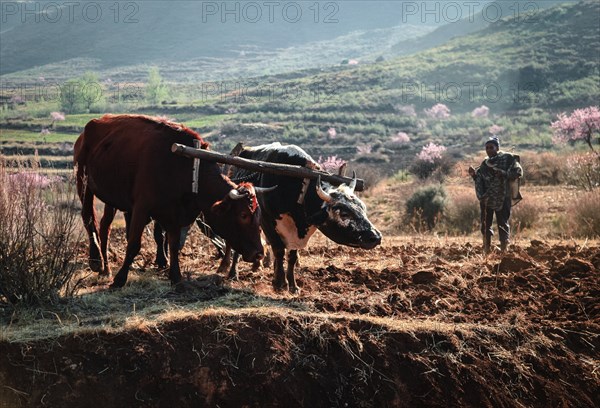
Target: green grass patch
x: 18, y: 135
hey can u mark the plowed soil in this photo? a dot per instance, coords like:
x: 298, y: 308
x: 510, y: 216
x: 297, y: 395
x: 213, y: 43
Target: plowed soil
x: 413, y: 323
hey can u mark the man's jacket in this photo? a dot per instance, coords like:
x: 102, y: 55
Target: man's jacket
x: 493, y: 187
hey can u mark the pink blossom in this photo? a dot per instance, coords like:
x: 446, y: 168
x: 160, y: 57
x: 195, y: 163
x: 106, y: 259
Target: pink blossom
x: 331, y: 164
x: 332, y: 133
x: 431, y: 153
x: 45, y: 132
x: 481, y: 112
x: 17, y: 99
x: 57, y: 116
x: 438, y: 111
x: 495, y: 129
x: 580, y: 125
x: 400, y: 137
x: 28, y: 180
x: 352, y: 62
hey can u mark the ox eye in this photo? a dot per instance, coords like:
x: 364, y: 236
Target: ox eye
x: 245, y: 217
x: 343, y: 213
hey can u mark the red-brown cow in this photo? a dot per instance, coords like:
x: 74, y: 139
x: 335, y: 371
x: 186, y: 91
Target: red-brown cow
x: 126, y: 161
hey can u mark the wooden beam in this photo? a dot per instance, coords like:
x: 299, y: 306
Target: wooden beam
x: 265, y: 167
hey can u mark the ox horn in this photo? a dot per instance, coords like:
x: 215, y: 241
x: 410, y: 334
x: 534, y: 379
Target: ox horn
x: 263, y: 190
x: 236, y: 195
x: 352, y: 184
x: 321, y: 193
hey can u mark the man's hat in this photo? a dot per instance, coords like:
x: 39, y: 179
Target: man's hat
x: 494, y: 140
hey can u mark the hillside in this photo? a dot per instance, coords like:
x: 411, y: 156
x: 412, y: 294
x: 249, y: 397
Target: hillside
x: 153, y: 32
x: 479, y: 20
x: 524, y: 71
x: 551, y: 62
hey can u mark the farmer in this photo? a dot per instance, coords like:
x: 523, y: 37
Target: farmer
x: 497, y: 188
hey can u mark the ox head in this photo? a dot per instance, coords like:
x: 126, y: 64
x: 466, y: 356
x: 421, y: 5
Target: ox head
x: 236, y: 218
x: 343, y: 216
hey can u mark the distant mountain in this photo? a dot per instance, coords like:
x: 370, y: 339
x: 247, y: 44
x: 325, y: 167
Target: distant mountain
x: 148, y: 32
x: 551, y: 62
x: 485, y: 15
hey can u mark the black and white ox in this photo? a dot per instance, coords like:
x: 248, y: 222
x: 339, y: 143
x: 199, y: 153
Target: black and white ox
x: 298, y: 207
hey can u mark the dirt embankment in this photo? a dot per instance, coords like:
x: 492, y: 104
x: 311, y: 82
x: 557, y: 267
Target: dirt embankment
x: 400, y: 326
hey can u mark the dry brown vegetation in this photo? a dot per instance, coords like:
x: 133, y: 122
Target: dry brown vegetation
x: 423, y: 320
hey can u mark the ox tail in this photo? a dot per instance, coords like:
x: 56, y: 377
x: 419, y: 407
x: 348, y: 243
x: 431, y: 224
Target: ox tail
x: 86, y: 196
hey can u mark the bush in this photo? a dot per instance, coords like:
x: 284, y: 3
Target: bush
x: 464, y: 213
x: 583, y: 170
x: 370, y: 174
x: 436, y: 170
x: 38, y: 236
x: 525, y: 215
x: 544, y: 169
x: 585, y: 214
x: 427, y: 206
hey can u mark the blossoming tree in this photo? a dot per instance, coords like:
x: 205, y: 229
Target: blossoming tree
x: 438, y: 111
x: 582, y: 124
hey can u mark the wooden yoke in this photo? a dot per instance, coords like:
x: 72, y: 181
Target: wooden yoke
x: 265, y: 167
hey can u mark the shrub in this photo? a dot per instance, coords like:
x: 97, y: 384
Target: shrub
x: 370, y: 174
x: 463, y: 213
x: 585, y: 214
x: 525, y: 215
x: 543, y: 169
x: 427, y: 206
x: 431, y: 161
x: 583, y: 170
x: 38, y: 236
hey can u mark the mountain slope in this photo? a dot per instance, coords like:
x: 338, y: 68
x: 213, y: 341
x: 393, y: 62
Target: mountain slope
x: 553, y: 61
x: 149, y: 32
x: 480, y: 20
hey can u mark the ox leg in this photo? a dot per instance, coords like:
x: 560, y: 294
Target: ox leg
x: 105, y: 223
x: 266, y: 262
x: 161, y: 246
x: 224, y: 265
x: 88, y: 214
x: 233, y: 273
x: 279, y: 282
x: 174, y: 272
x: 134, y: 243
x: 292, y: 259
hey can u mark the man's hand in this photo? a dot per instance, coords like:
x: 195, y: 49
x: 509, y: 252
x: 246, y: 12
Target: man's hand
x: 471, y: 171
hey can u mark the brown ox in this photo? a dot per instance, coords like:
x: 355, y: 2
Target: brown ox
x: 126, y: 161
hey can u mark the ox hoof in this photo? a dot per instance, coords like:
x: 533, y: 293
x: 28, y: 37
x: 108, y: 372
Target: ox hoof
x: 295, y: 290
x: 117, y: 283
x: 280, y: 287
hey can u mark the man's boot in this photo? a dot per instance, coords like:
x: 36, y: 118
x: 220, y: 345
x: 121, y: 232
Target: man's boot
x: 503, y: 246
x: 487, y: 243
